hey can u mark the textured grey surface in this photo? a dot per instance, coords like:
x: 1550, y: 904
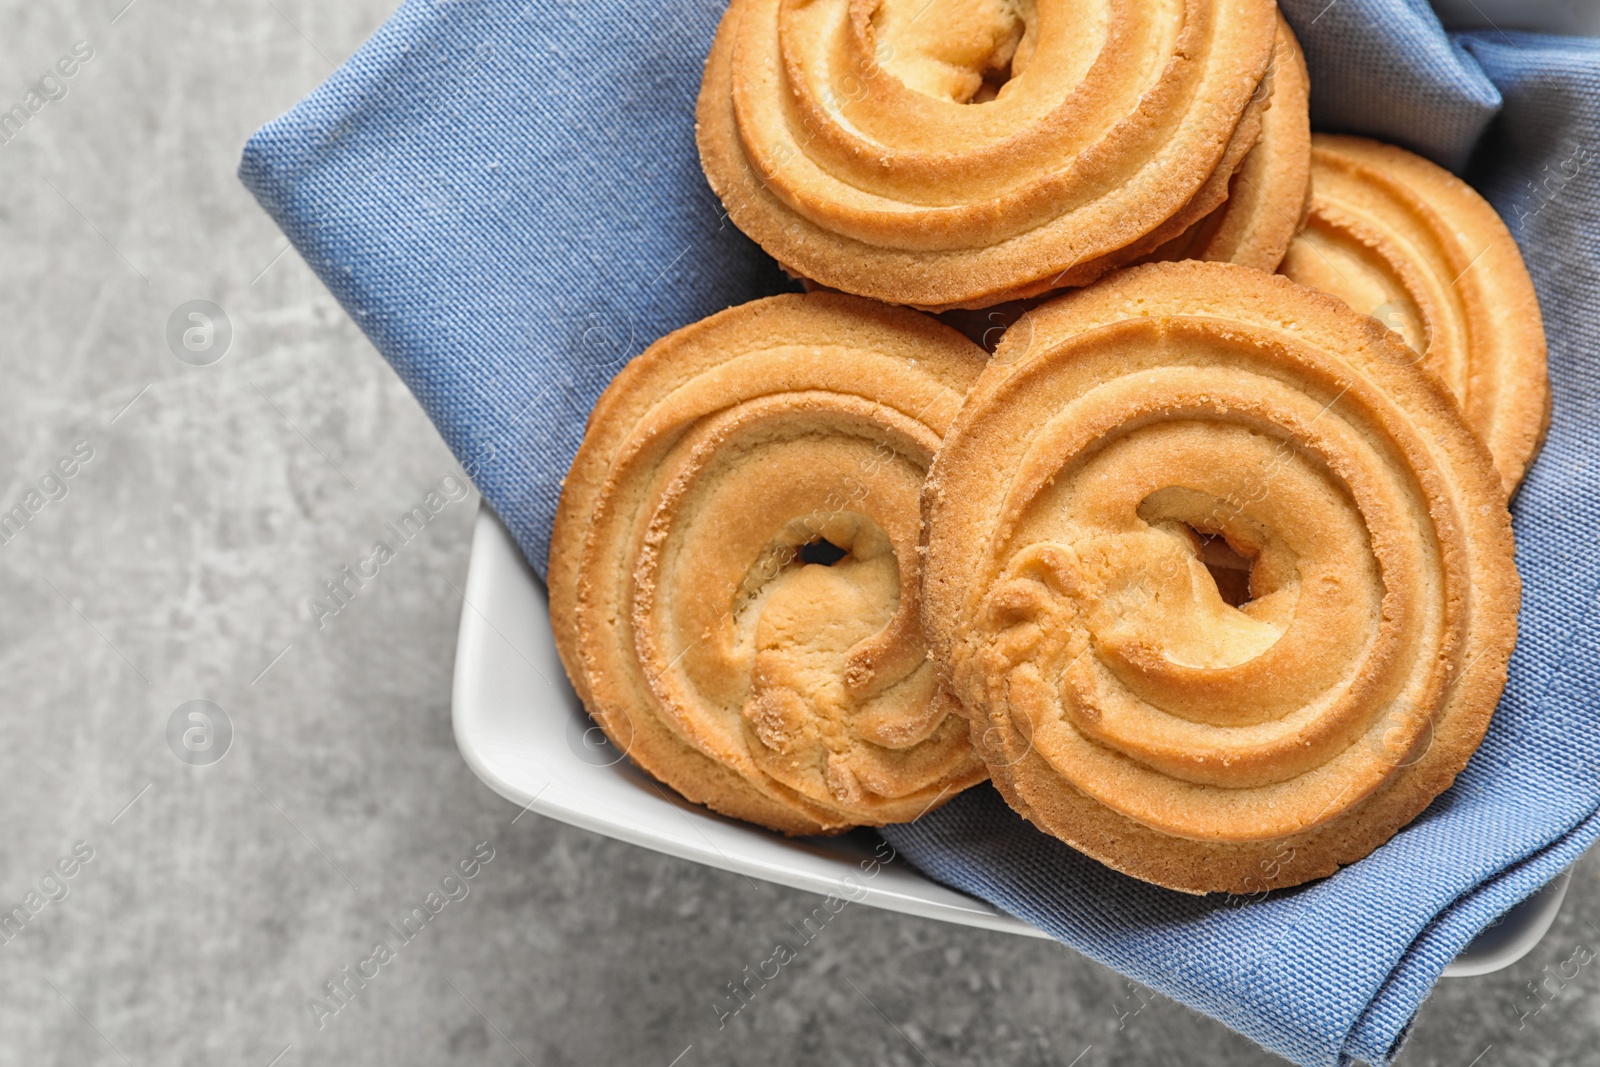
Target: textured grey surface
x: 177, y: 567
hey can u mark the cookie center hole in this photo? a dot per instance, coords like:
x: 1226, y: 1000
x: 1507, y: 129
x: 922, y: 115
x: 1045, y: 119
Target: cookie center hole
x: 963, y: 51
x: 993, y: 79
x: 1229, y: 568
x: 822, y: 552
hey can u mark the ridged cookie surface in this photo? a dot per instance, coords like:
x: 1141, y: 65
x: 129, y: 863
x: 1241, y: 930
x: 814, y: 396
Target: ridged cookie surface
x: 1224, y: 580
x: 945, y: 153
x: 734, y: 577
x: 1403, y: 240
x: 1269, y: 194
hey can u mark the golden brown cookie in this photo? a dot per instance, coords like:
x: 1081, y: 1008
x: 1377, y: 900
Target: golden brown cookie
x: 955, y: 153
x: 1398, y: 238
x: 734, y: 578
x: 1269, y: 194
x: 1224, y: 580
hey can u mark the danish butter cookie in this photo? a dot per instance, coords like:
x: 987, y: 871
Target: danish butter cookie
x: 1223, y: 578
x: 734, y: 576
x: 957, y: 153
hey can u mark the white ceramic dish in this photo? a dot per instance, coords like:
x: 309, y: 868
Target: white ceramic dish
x: 524, y: 732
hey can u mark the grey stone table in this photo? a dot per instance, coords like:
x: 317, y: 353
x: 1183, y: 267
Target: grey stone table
x: 208, y: 500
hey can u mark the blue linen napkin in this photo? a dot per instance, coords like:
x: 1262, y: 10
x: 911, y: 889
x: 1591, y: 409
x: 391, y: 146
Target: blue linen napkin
x: 506, y: 196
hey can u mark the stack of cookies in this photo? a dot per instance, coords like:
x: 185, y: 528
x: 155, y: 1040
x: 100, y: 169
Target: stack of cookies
x: 960, y: 153
x: 1207, y: 568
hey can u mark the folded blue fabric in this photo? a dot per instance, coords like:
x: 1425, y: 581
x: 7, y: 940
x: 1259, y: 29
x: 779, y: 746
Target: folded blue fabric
x: 506, y: 197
